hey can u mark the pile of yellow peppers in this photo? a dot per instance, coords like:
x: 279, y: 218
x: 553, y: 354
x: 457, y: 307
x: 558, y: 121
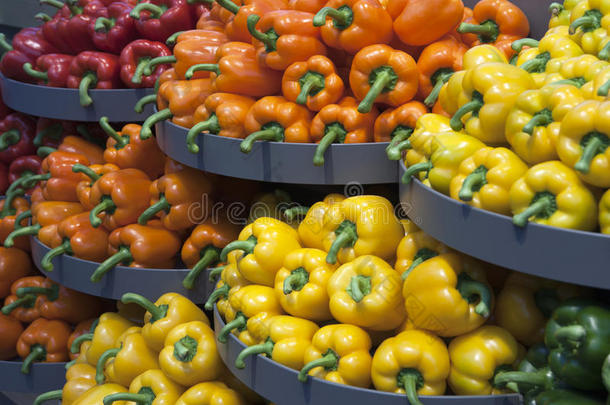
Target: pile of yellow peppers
x: 530, y: 138
x: 356, y: 296
x: 168, y: 357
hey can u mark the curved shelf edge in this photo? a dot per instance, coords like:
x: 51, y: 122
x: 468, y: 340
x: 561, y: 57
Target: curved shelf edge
x: 43, y: 377
x: 280, y: 162
x: 279, y: 384
x: 74, y: 273
x: 560, y: 254
x: 61, y: 103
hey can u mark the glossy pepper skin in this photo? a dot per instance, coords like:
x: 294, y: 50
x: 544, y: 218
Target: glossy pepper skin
x: 396, y: 125
x: 415, y: 248
x: 440, y: 296
x: 145, y: 246
x: 341, y: 354
x: 23, y: 309
x: 77, y: 144
x: 384, y: 75
x: 112, y: 32
x: 161, y: 317
x: 151, y: 387
x: 91, y: 69
x: 79, y: 379
x: 11, y: 330
x: 26, y: 165
x: 263, y: 244
x: 90, y: 175
x: 314, y: 83
x: 97, y: 394
x: 135, y: 57
x: 414, y: 363
x: 45, y: 341
x: 496, y: 348
x: 209, y: 393
x: 27, y: 45
x: 156, y: 20
x: 16, y: 136
x: 301, y: 284
x: 61, y: 186
x: 80, y: 329
x: 108, y: 330
x: 237, y: 25
x: 230, y: 278
x: 577, y: 337
x: 10, y: 208
x: 551, y: 193
x: 283, y: 37
x: 588, y: 26
x: 14, y: 264
x: 195, y: 50
x: 127, y: 150
x: 51, y: 69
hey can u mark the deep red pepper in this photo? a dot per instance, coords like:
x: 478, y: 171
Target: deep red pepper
x: 16, y: 135
x: 134, y: 59
x: 92, y: 69
x: 32, y: 43
x: 112, y: 32
x: 4, y: 110
x: 50, y: 132
x: 3, y: 178
x: 51, y: 70
x: 158, y: 19
x: 23, y: 166
x: 11, y: 66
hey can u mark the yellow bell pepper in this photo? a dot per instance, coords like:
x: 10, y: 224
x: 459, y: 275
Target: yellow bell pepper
x: 588, y: 24
x: 249, y: 304
x: 314, y: 221
x: 210, y: 393
x: 230, y: 277
x: 129, y: 358
x: 551, y: 193
x: 360, y: 225
x: 415, y: 248
x: 492, y: 89
x: 412, y: 363
x: 190, y: 355
x: 449, y: 149
x: 584, y: 142
x: 152, y: 388
x: 477, y: 356
x: 601, y: 85
x: 97, y: 394
x: 169, y: 310
x: 79, y: 379
x: 604, y: 213
x: 579, y: 71
x: 561, y: 13
x: 533, y: 125
x: 264, y: 244
x: 282, y: 338
x: 484, y: 179
x: 82, y: 355
x: 340, y: 354
x: 480, y: 54
x: 526, y: 302
x: 366, y: 292
x: 444, y: 297
x: 452, y: 94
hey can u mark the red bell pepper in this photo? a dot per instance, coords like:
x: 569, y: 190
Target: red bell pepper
x: 99, y: 70
x: 4, y: 110
x: 50, y: 132
x: 112, y: 32
x: 3, y: 178
x: 51, y: 69
x: 11, y: 66
x: 17, y: 134
x: 134, y: 59
x: 158, y: 19
x: 30, y: 42
x: 27, y: 165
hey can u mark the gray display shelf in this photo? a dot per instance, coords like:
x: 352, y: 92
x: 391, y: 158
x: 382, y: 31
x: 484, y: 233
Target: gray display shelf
x: 280, y: 162
x: 60, y: 103
x: 42, y: 377
x: 560, y: 254
x: 279, y: 384
x: 74, y: 273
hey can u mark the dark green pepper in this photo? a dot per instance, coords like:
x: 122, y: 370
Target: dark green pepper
x: 565, y: 397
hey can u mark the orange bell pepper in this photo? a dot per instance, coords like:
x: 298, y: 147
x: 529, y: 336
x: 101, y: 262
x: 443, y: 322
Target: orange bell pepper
x: 76, y: 144
x: 341, y: 123
x: 310, y: 6
x: 173, y: 197
x: 395, y: 125
x: 11, y: 330
x: 61, y: 183
x: 314, y: 82
x: 382, y: 74
x: 284, y: 37
x: 119, y: 197
x: 14, y: 264
x: 128, y: 151
x: 222, y: 114
x: 421, y: 22
x: 23, y: 309
x: 437, y: 62
x: 466, y: 38
x: 274, y: 118
x: 354, y: 24
x: 80, y: 329
x: 147, y: 246
x: 237, y: 26
x: 90, y: 175
x: 194, y: 51
x: 45, y: 341
x: 11, y: 208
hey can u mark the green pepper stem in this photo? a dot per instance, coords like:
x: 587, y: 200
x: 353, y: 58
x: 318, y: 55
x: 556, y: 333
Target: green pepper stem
x: 604, y: 53
x: 346, y: 236
x: 37, y: 353
x: 575, y: 81
x: 150, y: 212
x: 104, y: 205
x: 52, y: 131
x: 584, y: 22
x: 229, y: 5
x: 121, y: 141
x: 11, y: 194
x: 592, y: 148
x: 408, y: 380
x: 26, y: 300
x: 44, y: 17
x: 9, y: 138
x: 247, y: 246
x: 139, y: 107
x: 268, y: 40
x: 328, y: 139
x: 76, y: 343
x: 209, y: 256
x: 161, y: 115
x: 441, y: 79
x: 421, y: 256
x: 69, y: 364
x: 518, y: 45
x: 222, y: 291
x: 52, y: 293
x: 4, y: 44
x: 139, y: 399
x: 208, y: 67
x: 99, y: 369
x: 542, y: 204
x: 536, y: 64
x: 473, y: 181
x: 329, y: 361
x: 465, y: 28
x: 87, y: 171
x: 47, y: 260
x: 297, y: 279
x: 45, y: 151
x: 155, y: 11
x: 541, y: 118
x: 87, y: 81
x: 359, y: 287
x: 156, y: 312
x: 211, y: 125
x: 52, y: 3
x: 471, y: 288
x: 340, y: 17
x: 470, y: 107
x: 272, y: 134
x: 25, y: 231
x: 311, y: 82
x: 381, y: 81
x: 103, y: 24
x: 400, y: 141
x: 414, y: 169
x: 263, y: 348
x: 27, y: 68
x: 520, y: 377
x: 570, y: 334
x: 171, y: 40
x: 215, y: 272
x: 48, y: 396
x: 139, y: 72
x: 123, y: 255
x: 603, y: 90
x: 238, y: 323
x: 19, y: 218
x: 555, y: 8
x: 293, y: 213
x: 159, y: 60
